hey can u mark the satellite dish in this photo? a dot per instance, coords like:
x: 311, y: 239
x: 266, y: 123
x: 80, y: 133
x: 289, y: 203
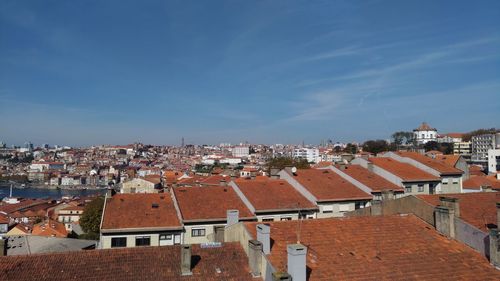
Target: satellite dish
x: 294, y: 170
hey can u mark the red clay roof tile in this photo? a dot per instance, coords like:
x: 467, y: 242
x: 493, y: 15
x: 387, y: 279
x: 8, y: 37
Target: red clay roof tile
x: 376, y: 248
x: 273, y: 194
x: 402, y: 170
x: 139, y: 210
x: 327, y: 185
x: 209, y: 202
x: 140, y: 263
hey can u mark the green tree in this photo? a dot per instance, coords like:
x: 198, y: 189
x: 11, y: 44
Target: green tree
x: 282, y: 162
x: 91, y: 218
x: 351, y: 148
x: 375, y: 146
x: 468, y: 136
x: 403, y: 138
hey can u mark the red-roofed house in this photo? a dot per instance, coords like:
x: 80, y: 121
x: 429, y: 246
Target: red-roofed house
x: 273, y: 199
x: 451, y: 177
x: 204, y: 211
x: 333, y: 194
x: 407, y: 176
x: 146, y: 219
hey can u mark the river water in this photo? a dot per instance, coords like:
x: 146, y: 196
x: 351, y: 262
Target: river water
x: 45, y: 193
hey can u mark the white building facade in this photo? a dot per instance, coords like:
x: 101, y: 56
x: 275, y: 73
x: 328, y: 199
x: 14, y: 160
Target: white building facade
x: 424, y: 134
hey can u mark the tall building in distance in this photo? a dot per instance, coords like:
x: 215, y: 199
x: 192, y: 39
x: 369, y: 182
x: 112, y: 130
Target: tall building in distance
x: 480, y: 146
x: 241, y: 151
x: 425, y: 133
x: 310, y: 154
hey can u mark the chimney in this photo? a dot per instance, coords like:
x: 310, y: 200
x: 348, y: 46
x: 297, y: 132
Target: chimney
x: 369, y: 166
x: 495, y: 241
x: 254, y: 257
x: 450, y: 203
x: 444, y: 220
x: 387, y: 194
x: 376, y: 208
x: 232, y: 217
x: 498, y: 214
x: 186, y: 260
x: 223, y: 182
x: 252, y: 176
x: 297, y: 261
x: 264, y: 237
x: 498, y: 176
x: 274, y: 173
x: 3, y: 247
x: 109, y: 193
x: 233, y: 176
x: 486, y: 188
x: 342, y: 166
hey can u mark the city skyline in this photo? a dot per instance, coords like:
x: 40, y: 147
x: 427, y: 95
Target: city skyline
x: 116, y: 72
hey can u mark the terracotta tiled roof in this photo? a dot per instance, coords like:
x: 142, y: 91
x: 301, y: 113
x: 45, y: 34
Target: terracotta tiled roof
x: 439, y: 166
x: 228, y: 262
x: 450, y: 160
x: 215, y: 179
x: 475, y: 170
x: 370, y: 179
x: 155, y: 179
x: 476, y: 208
x: 377, y: 248
x: 209, y: 202
x: 477, y: 181
x: 50, y: 228
x: 404, y: 171
x: 326, y: 185
x: 273, y: 195
x: 140, y: 210
x: 4, y: 219
x: 455, y: 135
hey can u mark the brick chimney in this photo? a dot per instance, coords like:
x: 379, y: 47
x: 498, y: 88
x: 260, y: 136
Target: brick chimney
x: 232, y: 217
x: 186, y: 260
x: 255, y: 257
x: 451, y: 203
x: 297, y: 261
x: 264, y: 236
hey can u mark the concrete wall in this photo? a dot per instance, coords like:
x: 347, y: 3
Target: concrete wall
x: 140, y: 185
x: 405, y: 205
x: 453, y: 185
x: 472, y: 236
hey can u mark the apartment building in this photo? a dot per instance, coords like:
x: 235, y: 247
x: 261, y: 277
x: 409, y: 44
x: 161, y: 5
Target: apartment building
x: 463, y: 148
x: 333, y: 194
x: 493, y: 161
x: 480, y: 146
x: 310, y: 154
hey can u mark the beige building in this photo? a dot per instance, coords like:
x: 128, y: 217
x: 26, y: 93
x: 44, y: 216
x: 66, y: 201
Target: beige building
x: 134, y: 220
x: 70, y: 215
x: 141, y: 185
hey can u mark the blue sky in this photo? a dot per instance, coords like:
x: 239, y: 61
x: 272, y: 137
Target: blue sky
x: 99, y: 72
